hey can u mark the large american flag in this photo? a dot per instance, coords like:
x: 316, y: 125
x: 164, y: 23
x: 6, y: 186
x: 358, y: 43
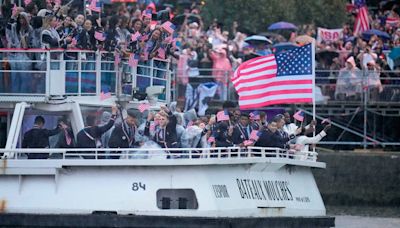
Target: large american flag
x: 362, y: 21
x: 285, y: 78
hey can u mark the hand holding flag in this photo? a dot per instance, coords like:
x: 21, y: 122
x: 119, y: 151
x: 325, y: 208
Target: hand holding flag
x: 74, y: 42
x: 135, y: 36
x: 254, y: 135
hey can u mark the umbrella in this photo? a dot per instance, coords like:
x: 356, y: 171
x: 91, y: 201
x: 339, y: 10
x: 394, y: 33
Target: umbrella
x: 179, y: 19
x: 388, y: 5
x: 327, y: 55
x: 257, y: 39
x: 282, y: 25
x: 285, y: 46
x: 395, y: 53
x: 367, y: 34
x: 304, y: 39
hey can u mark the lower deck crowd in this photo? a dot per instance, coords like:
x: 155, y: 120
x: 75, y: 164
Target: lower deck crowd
x: 170, y: 128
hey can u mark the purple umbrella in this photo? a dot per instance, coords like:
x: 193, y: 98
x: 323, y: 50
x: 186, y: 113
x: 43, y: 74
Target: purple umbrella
x: 282, y: 25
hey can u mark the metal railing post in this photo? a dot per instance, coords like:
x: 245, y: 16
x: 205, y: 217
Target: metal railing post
x: 168, y: 84
x: 365, y: 91
x: 79, y: 74
x: 48, y: 73
x: 98, y: 72
x: 151, y: 73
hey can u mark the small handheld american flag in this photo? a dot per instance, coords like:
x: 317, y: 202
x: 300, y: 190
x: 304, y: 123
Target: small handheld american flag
x: 104, y: 96
x: 299, y: 116
x: 169, y: 27
x: 99, y: 36
x: 143, y: 107
x: 222, y: 116
x: 95, y: 6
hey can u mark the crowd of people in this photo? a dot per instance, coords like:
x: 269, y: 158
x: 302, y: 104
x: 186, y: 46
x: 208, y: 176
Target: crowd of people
x: 199, y: 51
x: 171, y: 128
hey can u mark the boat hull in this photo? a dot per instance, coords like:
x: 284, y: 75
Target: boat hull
x: 259, y: 189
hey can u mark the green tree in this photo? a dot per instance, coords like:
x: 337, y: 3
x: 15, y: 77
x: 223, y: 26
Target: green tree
x: 256, y: 15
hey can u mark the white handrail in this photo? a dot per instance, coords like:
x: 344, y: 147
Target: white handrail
x: 156, y: 74
x: 182, y: 153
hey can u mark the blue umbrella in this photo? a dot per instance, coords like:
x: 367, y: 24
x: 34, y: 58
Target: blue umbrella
x: 367, y: 34
x: 285, y: 46
x: 282, y: 25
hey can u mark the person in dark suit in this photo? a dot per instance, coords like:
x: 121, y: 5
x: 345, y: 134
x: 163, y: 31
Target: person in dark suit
x: 89, y: 137
x: 166, y: 133
x: 123, y: 135
x: 269, y: 136
x: 242, y: 130
x: 38, y: 137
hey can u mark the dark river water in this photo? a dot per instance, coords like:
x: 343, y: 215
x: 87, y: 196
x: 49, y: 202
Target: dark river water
x: 365, y: 217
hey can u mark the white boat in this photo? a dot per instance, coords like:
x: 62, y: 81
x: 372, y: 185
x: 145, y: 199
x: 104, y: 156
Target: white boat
x: 185, y: 187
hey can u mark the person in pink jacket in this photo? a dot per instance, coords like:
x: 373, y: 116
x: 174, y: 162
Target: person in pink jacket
x: 222, y: 69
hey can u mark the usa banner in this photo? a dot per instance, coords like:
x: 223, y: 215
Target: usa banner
x: 329, y: 35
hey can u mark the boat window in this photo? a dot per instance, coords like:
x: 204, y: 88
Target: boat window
x: 176, y: 199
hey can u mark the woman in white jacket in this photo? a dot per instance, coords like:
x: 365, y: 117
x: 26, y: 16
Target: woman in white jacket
x: 303, y: 142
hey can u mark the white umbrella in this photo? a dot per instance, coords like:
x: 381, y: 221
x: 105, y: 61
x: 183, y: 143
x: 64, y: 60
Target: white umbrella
x: 257, y: 38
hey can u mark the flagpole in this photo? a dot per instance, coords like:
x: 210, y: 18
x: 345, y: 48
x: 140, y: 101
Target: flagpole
x: 313, y: 86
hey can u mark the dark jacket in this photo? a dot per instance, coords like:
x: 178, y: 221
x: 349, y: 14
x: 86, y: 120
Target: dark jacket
x: 88, y: 137
x: 170, y: 140
x: 122, y: 136
x: 240, y: 134
x: 222, y: 138
x: 62, y: 139
x: 86, y: 40
x: 269, y: 139
x: 38, y: 138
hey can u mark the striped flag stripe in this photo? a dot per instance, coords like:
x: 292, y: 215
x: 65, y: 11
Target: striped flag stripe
x: 362, y: 20
x: 256, y: 76
x: 278, y: 92
x: 262, y: 87
x: 275, y: 88
x: 274, y: 101
x: 257, y: 67
x: 284, y: 80
x: 271, y: 68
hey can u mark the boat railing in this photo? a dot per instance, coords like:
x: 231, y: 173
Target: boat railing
x: 159, y: 153
x: 58, y: 73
